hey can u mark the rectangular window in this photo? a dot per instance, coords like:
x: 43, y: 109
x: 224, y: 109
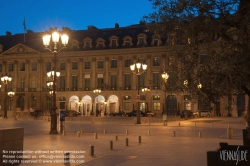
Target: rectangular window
x: 48, y: 66
x: 62, y: 105
x: 142, y: 97
x: 34, y: 66
x: 10, y: 86
x: 87, y: 83
x: 113, y: 43
x: 113, y: 63
x: 100, y: 64
x: 87, y: 44
x: 22, y: 66
x: 87, y: 65
x: 157, y: 106
x: 62, y: 82
x: 127, y: 106
x: 156, y: 97
x: 11, y: 67
x: 127, y: 78
x: 74, y: 82
x: 22, y: 83
x: 141, y: 81
x: 156, y: 42
x: 127, y: 43
x: 62, y: 66
x: 141, y: 42
x: 126, y: 97
x: 33, y: 82
x: 100, y: 45
x: 74, y: 65
x: 99, y: 83
x: 156, y: 80
x: 156, y: 61
x: 127, y: 62
x: 0, y: 67
x: 113, y: 80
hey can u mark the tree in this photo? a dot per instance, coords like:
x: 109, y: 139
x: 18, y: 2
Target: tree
x: 208, y: 41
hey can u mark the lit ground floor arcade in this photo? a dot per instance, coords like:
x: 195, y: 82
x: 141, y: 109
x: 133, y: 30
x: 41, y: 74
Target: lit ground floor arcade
x: 106, y: 102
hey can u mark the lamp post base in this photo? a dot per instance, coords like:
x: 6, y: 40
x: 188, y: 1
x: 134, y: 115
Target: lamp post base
x: 53, y: 127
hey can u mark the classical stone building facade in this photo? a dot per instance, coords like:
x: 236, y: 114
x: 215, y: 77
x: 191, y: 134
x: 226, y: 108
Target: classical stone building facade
x: 95, y: 58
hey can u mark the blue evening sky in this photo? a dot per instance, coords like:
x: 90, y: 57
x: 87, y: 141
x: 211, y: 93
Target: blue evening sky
x: 40, y: 15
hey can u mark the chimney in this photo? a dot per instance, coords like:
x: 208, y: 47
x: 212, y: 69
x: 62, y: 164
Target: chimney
x: 8, y: 33
x: 91, y: 27
x: 116, y: 25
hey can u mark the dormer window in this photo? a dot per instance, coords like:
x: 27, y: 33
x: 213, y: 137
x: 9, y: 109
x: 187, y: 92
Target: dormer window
x: 141, y: 40
x: 127, y: 42
x: 100, y: 43
x: 87, y: 43
x: 156, y: 40
x: 113, y: 42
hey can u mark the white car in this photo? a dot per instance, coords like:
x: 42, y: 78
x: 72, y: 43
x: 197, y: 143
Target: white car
x: 202, y: 113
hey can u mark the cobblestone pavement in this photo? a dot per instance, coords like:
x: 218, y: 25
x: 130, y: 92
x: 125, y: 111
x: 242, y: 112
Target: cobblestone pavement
x: 181, y: 142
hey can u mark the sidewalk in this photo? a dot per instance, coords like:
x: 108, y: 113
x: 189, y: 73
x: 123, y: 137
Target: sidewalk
x: 158, y: 145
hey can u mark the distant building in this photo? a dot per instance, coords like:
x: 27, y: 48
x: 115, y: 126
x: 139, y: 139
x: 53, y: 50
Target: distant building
x: 94, y: 58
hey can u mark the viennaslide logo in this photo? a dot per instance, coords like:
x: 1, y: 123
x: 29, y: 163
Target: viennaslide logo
x: 234, y: 155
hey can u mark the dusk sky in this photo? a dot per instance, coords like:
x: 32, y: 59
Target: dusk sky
x: 75, y: 14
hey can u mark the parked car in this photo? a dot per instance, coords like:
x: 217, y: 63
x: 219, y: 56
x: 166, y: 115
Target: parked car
x: 134, y: 113
x: 119, y: 113
x: 202, y: 113
x: 71, y: 113
x: 149, y: 113
x: 187, y: 114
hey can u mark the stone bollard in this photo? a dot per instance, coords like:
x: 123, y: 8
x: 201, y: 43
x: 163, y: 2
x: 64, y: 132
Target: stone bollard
x: 199, y: 134
x: 66, y: 158
x: 179, y: 124
x: 126, y: 141
x: 91, y: 150
x: 78, y: 134
x: 127, y: 132
x: 82, y: 131
x: 174, y: 134
x: 139, y: 139
x: 229, y: 133
x: 116, y: 137
x: 110, y: 145
x: 104, y: 131
x: 148, y: 132
x: 64, y: 133
x: 194, y: 124
x: 95, y: 135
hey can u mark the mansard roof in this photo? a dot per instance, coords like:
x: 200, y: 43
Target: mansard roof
x: 34, y: 40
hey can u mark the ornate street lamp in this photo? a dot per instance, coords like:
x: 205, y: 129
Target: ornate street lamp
x: 55, y: 37
x: 145, y: 90
x: 5, y: 80
x: 138, y: 69
x: 97, y: 91
x: 164, y: 77
x: 10, y: 94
